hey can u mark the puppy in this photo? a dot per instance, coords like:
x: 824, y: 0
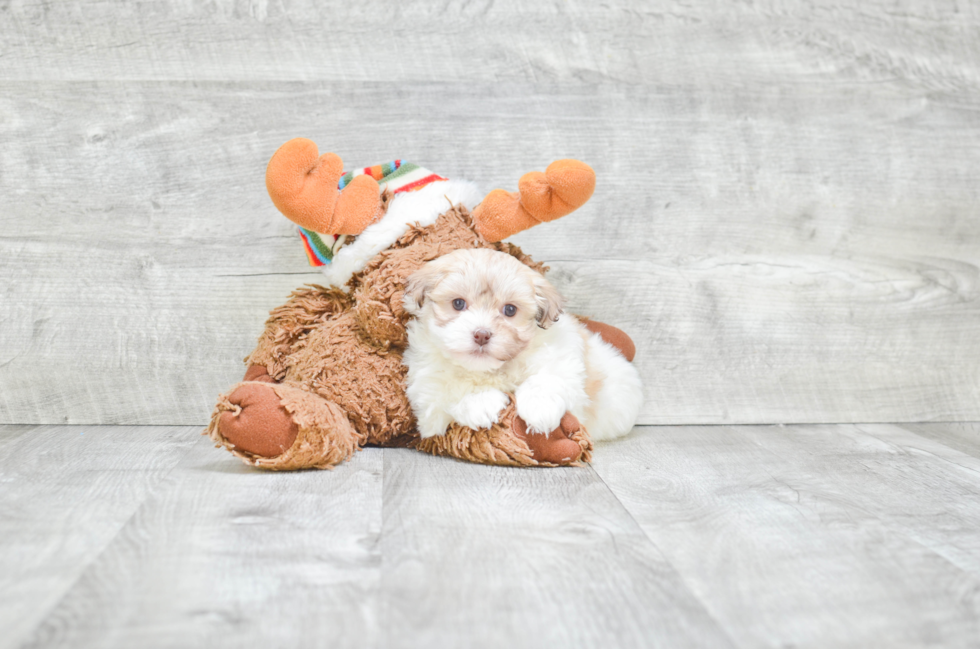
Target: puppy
x: 486, y: 324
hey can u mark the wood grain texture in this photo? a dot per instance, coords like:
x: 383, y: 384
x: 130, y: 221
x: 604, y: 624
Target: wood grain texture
x: 786, y: 217
x: 480, y: 556
x: 66, y: 493
x: 722, y: 536
x: 229, y: 556
x: 662, y: 41
x: 812, y: 536
x: 795, y: 338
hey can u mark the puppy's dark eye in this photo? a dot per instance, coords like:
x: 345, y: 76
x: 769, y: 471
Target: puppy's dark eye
x: 459, y: 304
x: 510, y: 310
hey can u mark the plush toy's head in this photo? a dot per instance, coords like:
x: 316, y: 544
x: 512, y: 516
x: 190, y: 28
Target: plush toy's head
x: 379, y: 204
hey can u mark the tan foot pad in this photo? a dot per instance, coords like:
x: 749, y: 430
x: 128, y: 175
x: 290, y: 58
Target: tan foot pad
x: 258, y: 424
x: 565, y: 445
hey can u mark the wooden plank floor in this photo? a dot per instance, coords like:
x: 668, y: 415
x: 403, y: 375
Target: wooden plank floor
x: 850, y: 535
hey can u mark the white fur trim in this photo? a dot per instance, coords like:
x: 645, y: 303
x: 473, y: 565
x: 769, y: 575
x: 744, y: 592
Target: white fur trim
x: 423, y: 207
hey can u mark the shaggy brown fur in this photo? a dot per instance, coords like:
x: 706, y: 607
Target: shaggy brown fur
x: 305, y: 309
x: 497, y: 444
x: 336, y: 360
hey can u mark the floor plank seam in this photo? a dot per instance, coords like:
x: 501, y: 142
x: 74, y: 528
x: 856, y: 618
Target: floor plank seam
x: 677, y: 573
x: 30, y: 639
x: 928, y: 440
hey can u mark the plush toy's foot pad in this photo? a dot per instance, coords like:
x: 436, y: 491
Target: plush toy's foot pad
x: 557, y: 447
x: 282, y: 426
x: 614, y: 336
x: 259, y: 424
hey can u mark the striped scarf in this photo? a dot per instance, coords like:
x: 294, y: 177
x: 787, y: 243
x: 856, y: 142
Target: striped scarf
x: 398, y: 176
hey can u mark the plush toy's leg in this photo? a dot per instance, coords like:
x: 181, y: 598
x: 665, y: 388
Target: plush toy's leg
x: 507, y: 443
x: 615, y: 337
x: 258, y: 373
x: 280, y: 426
x: 303, y: 185
x: 306, y: 309
x: 564, y: 187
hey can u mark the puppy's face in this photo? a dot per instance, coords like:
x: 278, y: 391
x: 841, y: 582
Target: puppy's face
x: 482, y: 306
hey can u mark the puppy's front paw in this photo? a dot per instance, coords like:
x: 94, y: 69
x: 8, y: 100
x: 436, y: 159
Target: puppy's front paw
x: 433, y: 422
x: 541, y: 409
x: 481, y: 409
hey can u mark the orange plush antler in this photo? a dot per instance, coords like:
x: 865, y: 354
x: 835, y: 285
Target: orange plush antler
x: 562, y: 188
x: 303, y: 185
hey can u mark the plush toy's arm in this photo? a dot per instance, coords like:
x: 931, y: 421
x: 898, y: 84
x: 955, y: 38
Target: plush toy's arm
x: 303, y: 185
x: 507, y: 443
x: 564, y: 187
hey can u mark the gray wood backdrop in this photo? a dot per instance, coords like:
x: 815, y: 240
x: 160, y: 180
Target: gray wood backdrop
x: 787, y: 216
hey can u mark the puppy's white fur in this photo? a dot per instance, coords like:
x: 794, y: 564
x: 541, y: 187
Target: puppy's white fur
x: 549, y: 360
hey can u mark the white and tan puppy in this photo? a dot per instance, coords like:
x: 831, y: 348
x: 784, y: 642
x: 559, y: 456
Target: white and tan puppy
x: 486, y: 324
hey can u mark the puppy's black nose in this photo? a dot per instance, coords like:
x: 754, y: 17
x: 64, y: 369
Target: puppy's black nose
x: 482, y: 336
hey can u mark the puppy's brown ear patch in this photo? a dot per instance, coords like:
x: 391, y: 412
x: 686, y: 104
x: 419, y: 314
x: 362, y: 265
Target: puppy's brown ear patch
x: 419, y: 284
x: 549, y: 301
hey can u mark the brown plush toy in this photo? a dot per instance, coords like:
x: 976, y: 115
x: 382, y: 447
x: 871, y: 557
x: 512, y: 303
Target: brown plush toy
x: 326, y: 377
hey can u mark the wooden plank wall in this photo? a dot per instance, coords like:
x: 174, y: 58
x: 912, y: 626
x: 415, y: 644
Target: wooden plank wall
x: 787, y: 216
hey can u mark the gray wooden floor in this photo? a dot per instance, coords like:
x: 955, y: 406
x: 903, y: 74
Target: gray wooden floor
x: 715, y: 536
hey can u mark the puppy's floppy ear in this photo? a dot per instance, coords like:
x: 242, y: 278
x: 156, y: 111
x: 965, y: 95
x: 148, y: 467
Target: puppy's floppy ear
x: 549, y: 301
x: 419, y: 284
